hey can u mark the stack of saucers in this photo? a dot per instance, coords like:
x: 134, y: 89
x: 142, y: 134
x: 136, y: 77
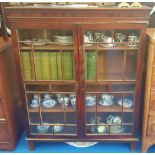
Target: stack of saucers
x: 64, y: 40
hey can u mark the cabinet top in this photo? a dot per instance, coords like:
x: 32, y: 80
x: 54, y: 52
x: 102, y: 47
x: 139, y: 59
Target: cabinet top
x: 78, y: 14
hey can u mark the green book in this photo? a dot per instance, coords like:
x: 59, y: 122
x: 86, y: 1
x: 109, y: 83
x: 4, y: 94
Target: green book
x: 53, y: 64
x: 37, y: 61
x: 26, y: 65
x: 85, y: 59
x: 91, y: 65
x: 68, y: 65
x: 45, y: 66
x: 59, y: 68
x: 32, y: 66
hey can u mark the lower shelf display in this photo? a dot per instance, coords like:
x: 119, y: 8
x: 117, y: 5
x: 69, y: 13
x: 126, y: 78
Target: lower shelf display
x: 53, y: 129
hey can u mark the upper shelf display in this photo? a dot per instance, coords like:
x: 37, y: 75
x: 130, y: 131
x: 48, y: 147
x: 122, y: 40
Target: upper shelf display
x: 80, y: 5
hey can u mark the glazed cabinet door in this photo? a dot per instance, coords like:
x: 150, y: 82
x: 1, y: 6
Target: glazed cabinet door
x: 109, y: 57
x: 48, y: 59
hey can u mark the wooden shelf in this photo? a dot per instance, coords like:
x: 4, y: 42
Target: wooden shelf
x: 118, y: 47
x: 55, y: 109
x: 113, y: 108
x: 71, y: 47
x: 48, y: 47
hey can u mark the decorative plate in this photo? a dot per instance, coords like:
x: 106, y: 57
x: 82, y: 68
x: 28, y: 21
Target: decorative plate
x: 50, y: 103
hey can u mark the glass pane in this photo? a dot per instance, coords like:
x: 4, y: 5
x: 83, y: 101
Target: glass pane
x: 90, y: 65
x: 91, y: 36
x: 28, y: 35
x: 68, y: 65
x: 47, y: 54
x: 110, y: 65
x: 69, y: 130
x: 131, y: 65
x: 27, y: 65
x: 34, y: 118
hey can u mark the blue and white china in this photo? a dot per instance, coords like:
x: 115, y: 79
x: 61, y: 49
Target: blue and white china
x: 57, y: 128
x: 109, y: 41
x: 35, y: 101
x: 133, y: 40
x: 88, y: 38
x: 127, y: 103
x: 97, y: 37
x: 64, y: 40
x: 113, y: 119
x: 106, y: 100
x: 90, y: 100
x: 73, y: 100
x: 120, y: 37
x: 43, y: 128
x: 116, y: 121
x: 117, y: 129
x: 100, y: 128
x: 48, y: 102
x: 63, y: 100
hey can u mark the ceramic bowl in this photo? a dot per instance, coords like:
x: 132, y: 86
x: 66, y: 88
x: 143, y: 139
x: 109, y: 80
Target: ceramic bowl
x: 43, y: 128
x: 127, y: 103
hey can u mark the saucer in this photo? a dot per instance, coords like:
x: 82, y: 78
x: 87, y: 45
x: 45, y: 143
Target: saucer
x: 48, y: 103
x: 106, y: 103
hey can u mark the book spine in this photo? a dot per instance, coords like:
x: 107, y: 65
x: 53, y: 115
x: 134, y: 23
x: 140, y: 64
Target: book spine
x: 45, y: 66
x: 59, y: 68
x: 86, y: 71
x: 91, y: 65
x: 68, y: 65
x: 26, y: 65
x: 37, y: 65
x: 53, y: 64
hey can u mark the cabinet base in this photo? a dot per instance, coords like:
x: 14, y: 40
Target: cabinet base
x: 32, y: 142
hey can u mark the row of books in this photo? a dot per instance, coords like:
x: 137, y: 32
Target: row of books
x: 47, y: 65
x: 51, y: 65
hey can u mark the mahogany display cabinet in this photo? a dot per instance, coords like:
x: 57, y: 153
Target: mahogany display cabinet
x: 80, y: 71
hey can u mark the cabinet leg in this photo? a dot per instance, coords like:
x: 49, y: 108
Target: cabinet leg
x: 133, y: 146
x: 31, y: 145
